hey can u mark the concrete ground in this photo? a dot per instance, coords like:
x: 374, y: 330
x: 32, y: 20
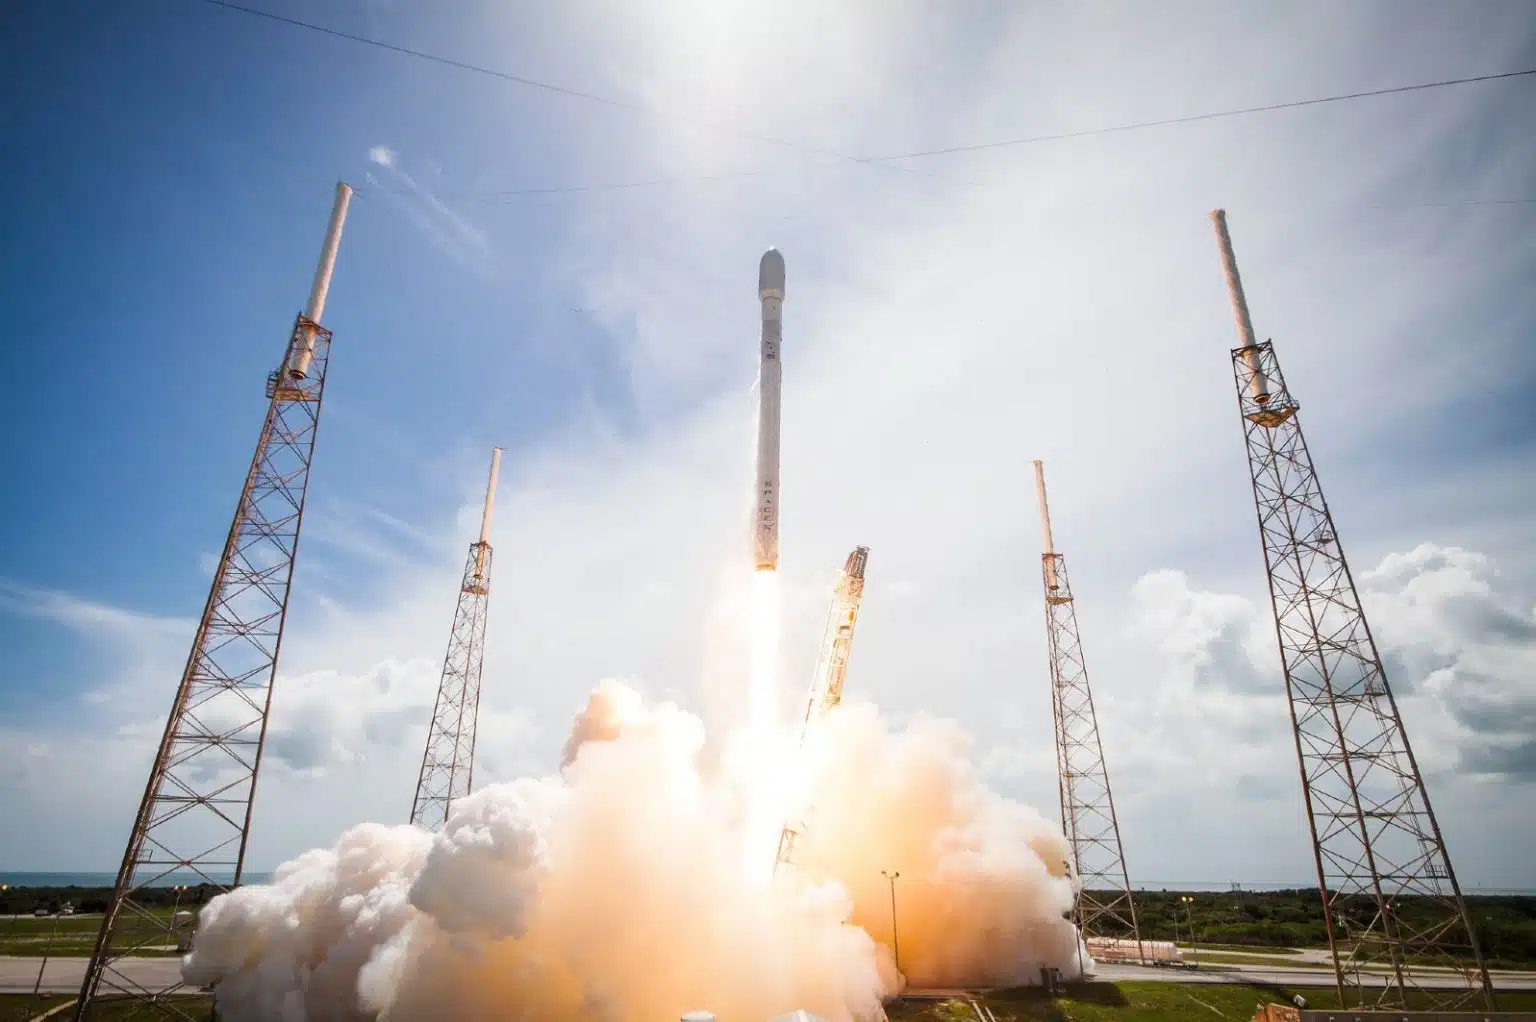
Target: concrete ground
x: 64, y: 975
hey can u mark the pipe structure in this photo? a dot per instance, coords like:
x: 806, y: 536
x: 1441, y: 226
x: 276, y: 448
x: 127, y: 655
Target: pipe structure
x: 1257, y: 385
x: 485, y: 515
x: 1045, y: 511
x: 298, y: 367
x: 765, y: 532
x: 1048, y: 555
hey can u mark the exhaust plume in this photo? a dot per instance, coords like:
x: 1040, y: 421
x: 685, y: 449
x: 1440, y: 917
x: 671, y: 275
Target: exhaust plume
x: 616, y: 890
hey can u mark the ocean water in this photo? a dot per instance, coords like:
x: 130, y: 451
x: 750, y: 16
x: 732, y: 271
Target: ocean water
x: 21, y: 879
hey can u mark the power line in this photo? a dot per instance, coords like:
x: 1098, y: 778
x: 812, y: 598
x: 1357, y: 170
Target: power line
x: 532, y: 83
x: 1211, y: 116
x: 879, y: 161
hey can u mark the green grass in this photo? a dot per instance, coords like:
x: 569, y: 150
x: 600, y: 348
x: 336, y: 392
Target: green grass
x: 66, y: 937
x: 22, y: 1007
x: 1135, y: 1002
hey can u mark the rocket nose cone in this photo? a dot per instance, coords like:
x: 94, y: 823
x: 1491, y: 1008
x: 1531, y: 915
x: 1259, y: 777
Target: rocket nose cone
x: 770, y: 274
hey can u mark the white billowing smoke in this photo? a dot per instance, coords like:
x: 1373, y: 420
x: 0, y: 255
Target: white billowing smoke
x: 616, y: 889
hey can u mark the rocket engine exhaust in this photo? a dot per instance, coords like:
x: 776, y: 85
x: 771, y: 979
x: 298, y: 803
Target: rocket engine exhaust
x: 765, y: 532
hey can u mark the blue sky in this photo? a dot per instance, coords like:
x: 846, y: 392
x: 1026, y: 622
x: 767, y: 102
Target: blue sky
x: 170, y: 171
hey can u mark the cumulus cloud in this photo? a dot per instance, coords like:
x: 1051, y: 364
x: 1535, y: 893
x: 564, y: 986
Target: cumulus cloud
x: 1215, y: 639
x: 1458, y: 645
x: 326, y: 718
x: 1461, y: 634
x: 618, y: 889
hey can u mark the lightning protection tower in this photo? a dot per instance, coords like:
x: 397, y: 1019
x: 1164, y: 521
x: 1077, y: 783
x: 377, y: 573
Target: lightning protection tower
x: 831, y: 669
x: 1390, y: 898
x: 448, y: 762
x: 195, y: 818
x: 1106, y: 911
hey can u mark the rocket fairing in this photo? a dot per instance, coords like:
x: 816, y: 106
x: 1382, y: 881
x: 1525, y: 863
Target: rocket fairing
x: 765, y: 532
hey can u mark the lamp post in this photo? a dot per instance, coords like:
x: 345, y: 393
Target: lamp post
x: 47, y: 950
x: 180, y: 889
x: 1189, y: 913
x: 895, y: 942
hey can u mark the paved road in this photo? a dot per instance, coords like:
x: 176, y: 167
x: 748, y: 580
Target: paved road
x: 1295, y: 977
x: 64, y: 975
x: 1262, y: 974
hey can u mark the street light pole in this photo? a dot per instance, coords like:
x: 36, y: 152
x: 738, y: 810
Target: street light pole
x: 1189, y: 913
x: 895, y: 941
x: 180, y: 889
x: 47, y: 950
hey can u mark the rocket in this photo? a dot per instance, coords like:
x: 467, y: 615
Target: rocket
x: 765, y: 531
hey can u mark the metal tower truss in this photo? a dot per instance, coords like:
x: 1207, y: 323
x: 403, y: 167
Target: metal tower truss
x: 1390, y: 897
x: 195, y: 817
x: 831, y: 670
x: 1106, y: 912
x: 447, y: 764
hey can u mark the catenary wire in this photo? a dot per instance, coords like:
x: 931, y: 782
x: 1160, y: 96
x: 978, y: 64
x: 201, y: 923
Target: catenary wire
x: 1209, y: 116
x: 533, y: 83
x: 863, y: 160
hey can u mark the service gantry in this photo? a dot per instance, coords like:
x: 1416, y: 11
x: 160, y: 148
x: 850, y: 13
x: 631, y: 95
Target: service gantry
x: 448, y: 761
x: 195, y: 817
x: 1391, y: 903
x: 1105, y: 911
x: 831, y: 669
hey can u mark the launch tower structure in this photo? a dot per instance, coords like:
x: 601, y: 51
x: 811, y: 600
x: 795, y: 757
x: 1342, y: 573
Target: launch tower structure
x: 448, y: 762
x: 195, y: 817
x: 1390, y: 898
x: 1106, y: 911
x: 831, y: 669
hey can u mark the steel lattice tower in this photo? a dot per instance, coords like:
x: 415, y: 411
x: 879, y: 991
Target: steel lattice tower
x: 195, y: 818
x: 831, y: 671
x: 1106, y: 911
x: 448, y: 762
x: 1383, y: 872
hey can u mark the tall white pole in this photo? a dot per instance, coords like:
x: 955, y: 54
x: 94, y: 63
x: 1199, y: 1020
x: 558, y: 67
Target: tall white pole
x: 485, y: 515
x: 299, y: 367
x: 1257, y: 385
x: 1045, y: 527
x: 1045, y: 511
x: 490, y: 496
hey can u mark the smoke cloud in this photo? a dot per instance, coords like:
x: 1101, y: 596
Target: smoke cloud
x: 616, y: 889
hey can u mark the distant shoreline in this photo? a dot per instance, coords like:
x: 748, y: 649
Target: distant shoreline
x: 22, y: 879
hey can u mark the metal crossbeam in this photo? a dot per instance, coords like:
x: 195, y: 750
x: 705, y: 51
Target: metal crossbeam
x: 827, y: 683
x: 1105, y: 908
x: 195, y: 816
x: 447, y: 763
x: 1390, y: 897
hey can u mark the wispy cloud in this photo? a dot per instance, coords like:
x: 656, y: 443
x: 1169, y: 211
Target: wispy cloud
x: 445, y: 227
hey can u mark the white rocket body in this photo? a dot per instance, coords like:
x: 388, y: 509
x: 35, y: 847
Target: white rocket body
x: 765, y: 518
